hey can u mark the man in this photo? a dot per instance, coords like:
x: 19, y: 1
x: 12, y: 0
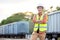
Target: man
x: 40, y: 24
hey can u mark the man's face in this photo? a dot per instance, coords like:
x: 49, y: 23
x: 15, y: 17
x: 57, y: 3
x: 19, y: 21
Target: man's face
x: 40, y: 9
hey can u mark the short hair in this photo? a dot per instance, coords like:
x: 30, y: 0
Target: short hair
x: 40, y: 6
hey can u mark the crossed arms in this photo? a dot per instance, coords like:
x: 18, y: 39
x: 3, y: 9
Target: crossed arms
x: 45, y: 19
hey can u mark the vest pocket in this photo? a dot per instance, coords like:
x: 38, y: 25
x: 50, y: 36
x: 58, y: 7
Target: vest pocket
x: 35, y: 28
x: 42, y: 29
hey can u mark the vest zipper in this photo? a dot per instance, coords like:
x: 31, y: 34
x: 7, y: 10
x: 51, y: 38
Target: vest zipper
x: 38, y: 26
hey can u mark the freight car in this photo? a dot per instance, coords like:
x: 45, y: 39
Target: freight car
x: 15, y: 29
x: 53, y: 25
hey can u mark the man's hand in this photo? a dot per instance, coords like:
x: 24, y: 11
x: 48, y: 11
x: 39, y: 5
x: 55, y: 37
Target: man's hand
x: 41, y: 21
x: 38, y: 21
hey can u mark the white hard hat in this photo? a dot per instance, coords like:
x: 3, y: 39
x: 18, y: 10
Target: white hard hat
x: 40, y: 5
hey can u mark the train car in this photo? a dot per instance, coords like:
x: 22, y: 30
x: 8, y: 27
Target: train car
x: 1, y: 31
x: 53, y: 25
x: 20, y: 29
x: 6, y: 29
x: 15, y: 29
x: 23, y: 27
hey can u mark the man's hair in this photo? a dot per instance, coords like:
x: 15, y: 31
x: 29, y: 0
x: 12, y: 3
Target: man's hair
x: 40, y: 6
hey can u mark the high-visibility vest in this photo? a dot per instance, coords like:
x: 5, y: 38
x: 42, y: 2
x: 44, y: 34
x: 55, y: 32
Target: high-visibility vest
x: 42, y: 27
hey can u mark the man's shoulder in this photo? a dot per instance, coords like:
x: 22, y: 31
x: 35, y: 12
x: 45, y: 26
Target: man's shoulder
x: 46, y: 14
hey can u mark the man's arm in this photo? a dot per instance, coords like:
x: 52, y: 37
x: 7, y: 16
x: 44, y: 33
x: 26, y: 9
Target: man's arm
x: 34, y: 19
x: 45, y: 19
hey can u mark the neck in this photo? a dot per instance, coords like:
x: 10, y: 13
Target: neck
x: 40, y: 14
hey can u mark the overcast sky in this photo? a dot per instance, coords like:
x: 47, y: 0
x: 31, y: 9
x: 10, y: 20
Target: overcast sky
x: 9, y: 7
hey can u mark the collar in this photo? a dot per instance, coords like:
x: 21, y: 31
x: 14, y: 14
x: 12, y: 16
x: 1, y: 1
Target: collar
x: 39, y: 15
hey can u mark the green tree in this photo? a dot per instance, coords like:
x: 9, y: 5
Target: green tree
x: 14, y: 18
x: 3, y: 22
x: 51, y: 8
x: 57, y: 8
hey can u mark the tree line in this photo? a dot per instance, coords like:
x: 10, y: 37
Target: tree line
x: 22, y: 16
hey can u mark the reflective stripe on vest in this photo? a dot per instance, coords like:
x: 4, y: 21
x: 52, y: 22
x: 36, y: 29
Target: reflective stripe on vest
x: 42, y: 27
